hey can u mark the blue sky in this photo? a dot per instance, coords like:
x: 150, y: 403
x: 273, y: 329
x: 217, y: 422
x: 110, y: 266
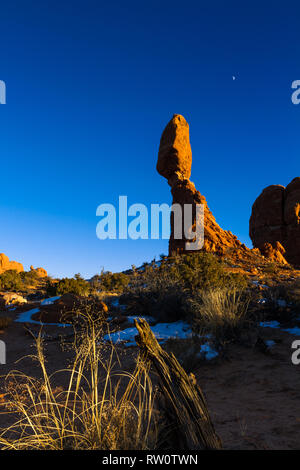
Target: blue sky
x: 90, y: 88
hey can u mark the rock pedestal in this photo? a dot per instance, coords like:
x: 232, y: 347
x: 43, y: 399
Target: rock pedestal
x: 175, y: 163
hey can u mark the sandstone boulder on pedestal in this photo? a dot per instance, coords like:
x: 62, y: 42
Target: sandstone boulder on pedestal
x: 275, y: 219
x: 175, y: 153
x: 174, y: 163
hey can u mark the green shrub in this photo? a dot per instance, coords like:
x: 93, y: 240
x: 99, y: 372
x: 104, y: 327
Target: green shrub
x: 164, y: 291
x: 30, y: 277
x: 112, y: 282
x: 203, y: 270
x: 51, y: 287
x: 75, y: 285
x: 11, y: 280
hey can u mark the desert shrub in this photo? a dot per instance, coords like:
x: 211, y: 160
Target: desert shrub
x: 163, y: 291
x: 281, y: 302
x: 5, y: 322
x: 30, y: 278
x: 11, y: 280
x: 51, y: 287
x: 292, y: 293
x: 221, y: 313
x: 112, y: 282
x: 112, y: 413
x: 74, y: 285
x: 203, y: 271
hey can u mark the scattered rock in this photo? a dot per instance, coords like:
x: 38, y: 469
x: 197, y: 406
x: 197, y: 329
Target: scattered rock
x: 273, y: 253
x: 11, y: 298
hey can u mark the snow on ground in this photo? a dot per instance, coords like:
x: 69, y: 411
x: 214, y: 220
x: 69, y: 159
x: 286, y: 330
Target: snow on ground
x: 293, y: 331
x: 270, y: 324
x: 162, y: 332
x: 116, y: 303
x: 25, y: 317
x: 148, y: 319
x: 275, y: 324
x: 50, y: 301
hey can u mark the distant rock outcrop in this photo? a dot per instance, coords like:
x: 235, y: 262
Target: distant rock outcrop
x: 6, y: 265
x: 276, y: 218
x: 175, y: 163
x: 41, y: 272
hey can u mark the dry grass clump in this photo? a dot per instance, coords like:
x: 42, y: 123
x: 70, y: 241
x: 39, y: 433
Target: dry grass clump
x: 112, y: 413
x: 221, y: 312
x: 294, y: 292
x: 5, y: 322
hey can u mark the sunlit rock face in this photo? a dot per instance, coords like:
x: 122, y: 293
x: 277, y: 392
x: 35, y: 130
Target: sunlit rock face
x: 6, y: 265
x: 276, y: 218
x: 175, y: 163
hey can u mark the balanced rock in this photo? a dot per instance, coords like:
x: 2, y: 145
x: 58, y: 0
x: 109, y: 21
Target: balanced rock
x: 6, y: 265
x: 175, y: 153
x: 275, y: 218
x: 174, y: 163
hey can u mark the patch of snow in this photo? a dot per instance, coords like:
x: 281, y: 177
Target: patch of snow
x: 116, y: 303
x: 147, y: 318
x: 281, y: 303
x: 162, y: 331
x: 208, y: 352
x: 293, y: 331
x: 50, y: 301
x: 270, y: 324
x: 25, y: 317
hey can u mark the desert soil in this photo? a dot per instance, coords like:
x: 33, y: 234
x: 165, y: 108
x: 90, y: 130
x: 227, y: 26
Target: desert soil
x: 253, y: 398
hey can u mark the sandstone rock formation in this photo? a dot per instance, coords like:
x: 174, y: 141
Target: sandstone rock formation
x: 41, y: 272
x: 175, y: 163
x: 274, y: 253
x: 11, y: 298
x: 276, y: 218
x: 6, y: 265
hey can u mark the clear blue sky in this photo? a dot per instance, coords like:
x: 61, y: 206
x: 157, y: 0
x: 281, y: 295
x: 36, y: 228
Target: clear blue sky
x: 92, y: 84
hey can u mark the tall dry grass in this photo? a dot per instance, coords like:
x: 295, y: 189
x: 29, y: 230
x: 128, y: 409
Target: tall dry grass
x: 114, y: 413
x: 221, y: 312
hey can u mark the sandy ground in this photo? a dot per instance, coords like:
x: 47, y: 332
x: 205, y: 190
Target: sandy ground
x: 253, y: 398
